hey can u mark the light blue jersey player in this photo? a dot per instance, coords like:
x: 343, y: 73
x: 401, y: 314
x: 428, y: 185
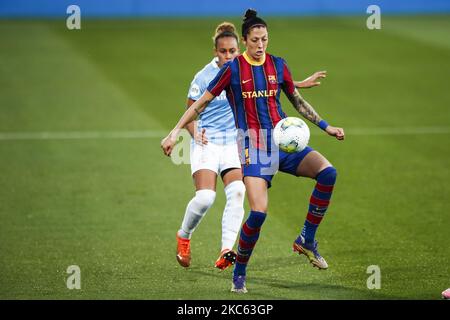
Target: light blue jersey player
x: 217, y: 119
x: 217, y: 156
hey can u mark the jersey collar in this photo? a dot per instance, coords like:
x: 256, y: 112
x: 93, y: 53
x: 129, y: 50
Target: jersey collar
x: 215, y: 62
x: 253, y: 62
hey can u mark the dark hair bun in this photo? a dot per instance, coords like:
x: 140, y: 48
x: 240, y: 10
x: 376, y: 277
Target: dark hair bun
x: 251, y: 20
x: 250, y: 14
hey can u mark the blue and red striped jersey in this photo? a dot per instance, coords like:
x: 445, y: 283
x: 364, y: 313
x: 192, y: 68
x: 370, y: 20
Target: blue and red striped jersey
x: 253, y: 91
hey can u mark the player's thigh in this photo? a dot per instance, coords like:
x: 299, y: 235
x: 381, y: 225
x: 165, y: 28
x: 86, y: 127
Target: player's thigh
x: 230, y: 164
x: 312, y: 164
x: 231, y: 175
x: 205, y: 179
x: 257, y: 195
x: 204, y: 166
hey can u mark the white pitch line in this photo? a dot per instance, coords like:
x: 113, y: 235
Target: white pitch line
x: 397, y: 131
x: 81, y: 135
x: 152, y: 134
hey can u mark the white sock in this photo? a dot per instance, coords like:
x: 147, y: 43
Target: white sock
x: 195, y: 211
x: 233, y: 213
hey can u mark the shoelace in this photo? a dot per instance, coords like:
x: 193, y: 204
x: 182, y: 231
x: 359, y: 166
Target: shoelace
x: 314, y: 249
x: 184, y: 246
x: 239, y: 281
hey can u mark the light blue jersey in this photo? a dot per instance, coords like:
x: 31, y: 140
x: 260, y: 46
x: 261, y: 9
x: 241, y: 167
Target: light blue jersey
x: 217, y: 118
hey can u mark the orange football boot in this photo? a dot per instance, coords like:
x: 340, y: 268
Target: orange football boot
x: 183, y: 251
x: 227, y: 258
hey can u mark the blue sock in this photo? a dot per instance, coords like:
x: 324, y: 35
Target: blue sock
x: 247, y: 240
x: 318, y: 203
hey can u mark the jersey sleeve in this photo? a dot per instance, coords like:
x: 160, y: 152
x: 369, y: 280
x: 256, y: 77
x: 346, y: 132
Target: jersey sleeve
x: 196, y: 89
x: 288, y: 83
x: 221, y: 81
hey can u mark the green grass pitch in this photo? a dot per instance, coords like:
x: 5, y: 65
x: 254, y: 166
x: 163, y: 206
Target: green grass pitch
x: 112, y: 205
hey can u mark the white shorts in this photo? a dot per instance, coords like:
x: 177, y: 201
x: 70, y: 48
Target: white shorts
x: 214, y: 157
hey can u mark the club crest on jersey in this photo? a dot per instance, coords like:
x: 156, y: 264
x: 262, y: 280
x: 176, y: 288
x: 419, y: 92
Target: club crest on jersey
x: 195, y: 90
x: 272, y: 79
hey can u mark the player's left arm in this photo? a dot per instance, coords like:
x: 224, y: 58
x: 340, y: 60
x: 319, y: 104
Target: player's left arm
x: 307, y: 111
x: 312, y: 81
x: 304, y: 108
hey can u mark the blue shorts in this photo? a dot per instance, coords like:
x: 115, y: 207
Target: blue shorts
x: 263, y: 164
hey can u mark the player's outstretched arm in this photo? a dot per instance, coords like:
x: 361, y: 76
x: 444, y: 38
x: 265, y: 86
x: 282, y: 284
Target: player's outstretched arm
x: 191, y: 114
x: 311, y: 81
x: 199, y: 137
x: 307, y: 111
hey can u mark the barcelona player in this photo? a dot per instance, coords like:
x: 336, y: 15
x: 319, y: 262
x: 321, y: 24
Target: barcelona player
x: 219, y: 156
x: 253, y: 82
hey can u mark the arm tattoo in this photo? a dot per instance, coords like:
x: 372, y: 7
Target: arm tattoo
x: 303, y: 107
x: 199, y: 109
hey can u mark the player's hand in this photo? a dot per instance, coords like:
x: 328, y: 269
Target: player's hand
x: 201, y: 138
x: 167, y: 144
x: 313, y: 80
x: 336, y: 132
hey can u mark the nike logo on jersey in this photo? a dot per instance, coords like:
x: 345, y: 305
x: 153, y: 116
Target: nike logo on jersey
x: 245, y: 81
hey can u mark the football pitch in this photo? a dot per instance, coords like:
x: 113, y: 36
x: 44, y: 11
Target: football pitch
x: 84, y: 181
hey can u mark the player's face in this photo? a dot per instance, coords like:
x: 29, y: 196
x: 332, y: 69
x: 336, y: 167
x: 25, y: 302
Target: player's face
x: 256, y: 42
x: 227, y: 49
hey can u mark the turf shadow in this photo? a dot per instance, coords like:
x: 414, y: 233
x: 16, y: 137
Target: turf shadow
x: 305, y: 289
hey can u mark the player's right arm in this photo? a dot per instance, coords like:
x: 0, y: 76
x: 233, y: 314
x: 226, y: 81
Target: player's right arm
x: 199, y: 137
x: 191, y: 126
x: 190, y: 115
x: 215, y: 87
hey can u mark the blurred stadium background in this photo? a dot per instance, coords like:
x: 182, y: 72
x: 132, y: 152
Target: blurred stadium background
x: 84, y: 181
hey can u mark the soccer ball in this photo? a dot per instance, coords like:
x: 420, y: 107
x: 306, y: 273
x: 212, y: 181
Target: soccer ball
x: 291, y: 134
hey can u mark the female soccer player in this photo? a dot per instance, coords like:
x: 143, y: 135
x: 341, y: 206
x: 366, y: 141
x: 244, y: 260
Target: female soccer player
x: 205, y: 176
x: 219, y: 156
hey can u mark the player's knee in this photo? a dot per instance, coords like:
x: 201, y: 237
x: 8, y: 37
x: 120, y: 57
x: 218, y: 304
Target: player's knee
x: 205, y: 199
x: 235, y: 193
x: 327, y: 176
x: 259, y: 206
